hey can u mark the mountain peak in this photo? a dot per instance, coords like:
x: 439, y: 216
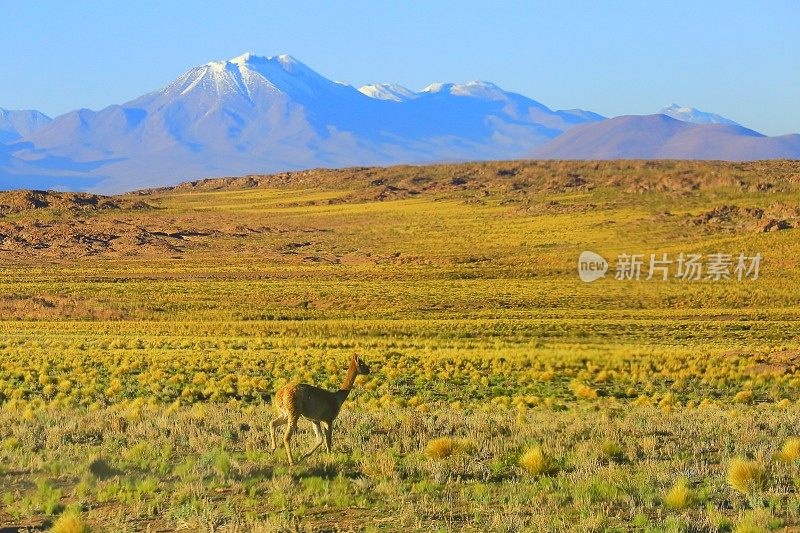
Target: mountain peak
x: 676, y: 107
x: 477, y: 89
x: 249, y: 59
x: 437, y: 87
x: 15, y: 124
x: 286, y: 60
x: 246, y: 81
x: 244, y: 58
x: 480, y: 89
x: 387, y: 91
x: 694, y: 115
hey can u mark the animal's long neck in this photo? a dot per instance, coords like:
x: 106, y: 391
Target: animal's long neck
x: 347, y: 384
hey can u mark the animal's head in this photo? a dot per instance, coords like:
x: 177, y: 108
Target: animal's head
x: 361, y: 366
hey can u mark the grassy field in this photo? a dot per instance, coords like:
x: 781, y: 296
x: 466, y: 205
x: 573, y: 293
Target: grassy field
x: 140, y: 345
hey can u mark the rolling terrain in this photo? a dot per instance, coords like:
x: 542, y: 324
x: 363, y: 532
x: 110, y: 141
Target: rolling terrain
x: 663, y: 137
x: 143, y: 335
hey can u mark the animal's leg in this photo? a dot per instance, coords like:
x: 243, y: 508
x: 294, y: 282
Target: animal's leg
x: 328, y: 436
x: 277, y: 421
x: 320, y: 438
x: 290, y: 429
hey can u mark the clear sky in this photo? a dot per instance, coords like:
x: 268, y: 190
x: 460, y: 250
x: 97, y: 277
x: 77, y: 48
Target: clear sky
x: 739, y: 59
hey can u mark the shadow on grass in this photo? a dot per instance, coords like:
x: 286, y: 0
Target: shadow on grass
x: 261, y: 473
x: 100, y: 469
x: 24, y: 529
x: 327, y: 471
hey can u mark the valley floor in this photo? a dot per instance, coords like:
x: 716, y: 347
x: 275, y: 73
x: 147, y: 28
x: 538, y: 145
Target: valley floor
x: 602, y: 468
x: 142, y: 338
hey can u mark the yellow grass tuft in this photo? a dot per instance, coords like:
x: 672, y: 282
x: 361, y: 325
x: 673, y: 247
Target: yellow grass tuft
x: 746, y: 476
x: 745, y: 396
x: 534, y: 461
x: 582, y: 390
x: 679, y: 496
x: 440, y: 448
x: 791, y: 450
x: 642, y: 400
x: 445, y: 447
x: 70, y: 521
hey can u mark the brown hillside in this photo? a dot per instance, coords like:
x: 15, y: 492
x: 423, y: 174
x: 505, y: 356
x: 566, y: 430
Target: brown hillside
x: 174, y: 221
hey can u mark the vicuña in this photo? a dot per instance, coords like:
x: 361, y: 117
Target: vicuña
x: 318, y: 405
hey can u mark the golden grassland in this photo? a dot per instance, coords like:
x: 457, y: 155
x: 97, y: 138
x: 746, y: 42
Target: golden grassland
x: 139, y: 348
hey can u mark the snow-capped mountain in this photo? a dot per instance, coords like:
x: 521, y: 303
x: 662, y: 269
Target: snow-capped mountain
x: 17, y: 124
x: 255, y: 114
x: 695, y: 116
x: 388, y: 91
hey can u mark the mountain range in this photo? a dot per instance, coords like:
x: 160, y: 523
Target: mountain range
x: 255, y: 114
x: 663, y: 137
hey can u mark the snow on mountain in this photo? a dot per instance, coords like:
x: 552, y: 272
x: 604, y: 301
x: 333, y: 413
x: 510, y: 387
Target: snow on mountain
x: 254, y: 114
x: 215, y: 117
x: 387, y: 91
x: 476, y: 89
x: 695, y: 116
x: 513, y: 105
x: 17, y: 124
x: 248, y: 74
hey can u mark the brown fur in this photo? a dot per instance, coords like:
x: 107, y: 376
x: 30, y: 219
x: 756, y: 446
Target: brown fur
x: 319, y: 406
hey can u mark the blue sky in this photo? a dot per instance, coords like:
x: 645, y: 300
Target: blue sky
x: 738, y: 59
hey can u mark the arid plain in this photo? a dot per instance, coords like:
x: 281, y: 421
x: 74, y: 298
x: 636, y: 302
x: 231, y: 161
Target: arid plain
x: 142, y: 337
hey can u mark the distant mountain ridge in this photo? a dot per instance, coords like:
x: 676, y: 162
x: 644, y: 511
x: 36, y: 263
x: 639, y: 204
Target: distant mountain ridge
x: 663, y: 137
x: 695, y: 116
x: 257, y: 115
x: 388, y: 91
x: 15, y: 125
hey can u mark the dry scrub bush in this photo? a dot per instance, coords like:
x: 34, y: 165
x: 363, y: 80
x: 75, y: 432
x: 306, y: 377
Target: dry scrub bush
x: 581, y: 390
x: 70, y: 521
x: 679, y: 496
x: 445, y: 447
x: 746, y: 476
x: 440, y: 448
x: 535, y: 462
x: 791, y: 450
